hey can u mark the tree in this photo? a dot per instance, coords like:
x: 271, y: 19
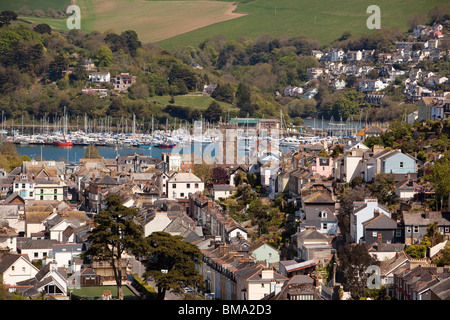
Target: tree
x: 43, y: 28
x: 214, y: 112
x: 171, y: 263
x: 243, y: 99
x: 223, y: 93
x: 433, y: 234
x: 114, y: 235
x: 440, y: 180
x: 6, y: 17
x: 132, y: 41
x: 59, y: 64
x: 203, y: 171
x: 353, y: 262
x: 383, y: 187
x: 219, y: 175
x: 104, y: 56
x: 92, y: 152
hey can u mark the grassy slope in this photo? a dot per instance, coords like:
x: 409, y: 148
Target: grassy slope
x: 323, y: 20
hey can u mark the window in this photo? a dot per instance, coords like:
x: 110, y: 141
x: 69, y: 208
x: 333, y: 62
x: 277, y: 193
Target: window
x: 42, y: 197
x: 36, y: 254
x: 408, y: 230
x: 31, y: 193
x: 398, y: 233
x: 401, y: 164
x: 182, y: 194
x: 17, y: 185
x: 324, y: 226
x: 55, y: 191
x: 188, y: 185
x: 416, y: 229
x: 174, y: 185
x: 447, y: 229
x: 55, y: 197
x: 196, y: 185
x: 374, y: 234
x: 23, y: 185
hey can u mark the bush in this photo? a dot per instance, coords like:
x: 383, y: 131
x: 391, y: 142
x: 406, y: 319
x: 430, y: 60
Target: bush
x: 148, y: 291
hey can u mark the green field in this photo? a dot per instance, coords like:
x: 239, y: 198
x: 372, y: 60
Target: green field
x: 324, y: 20
x: 171, y: 23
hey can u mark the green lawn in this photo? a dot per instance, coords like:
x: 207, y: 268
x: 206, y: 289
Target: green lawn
x: 96, y: 292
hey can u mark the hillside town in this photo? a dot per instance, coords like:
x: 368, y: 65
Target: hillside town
x: 309, y: 220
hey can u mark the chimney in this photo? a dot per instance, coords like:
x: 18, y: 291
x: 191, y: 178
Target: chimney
x: 267, y: 274
x: 379, y: 241
x: 427, y: 213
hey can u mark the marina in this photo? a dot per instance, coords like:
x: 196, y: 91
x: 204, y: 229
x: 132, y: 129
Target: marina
x: 56, y: 142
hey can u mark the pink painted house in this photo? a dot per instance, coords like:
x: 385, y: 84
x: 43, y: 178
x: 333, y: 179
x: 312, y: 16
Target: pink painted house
x: 323, y: 166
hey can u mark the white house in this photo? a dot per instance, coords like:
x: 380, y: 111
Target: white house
x: 63, y: 231
x: 36, y: 249
x: 293, y: 91
x: 100, y: 77
x: 181, y: 184
x: 155, y: 221
x: 363, y: 211
x: 8, y: 238
x: 23, y: 185
x: 15, y: 268
x: 255, y: 283
x: 221, y: 191
x: 336, y: 54
x: 173, y: 161
x: 339, y: 84
x: 64, y: 253
x: 371, y: 85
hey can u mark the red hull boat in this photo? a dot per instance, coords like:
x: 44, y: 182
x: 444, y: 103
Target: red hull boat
x: 63, y: 143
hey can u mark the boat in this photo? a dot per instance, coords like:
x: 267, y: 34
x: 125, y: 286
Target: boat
x: 165, y: 145
x: 63, y: 143
x: 144, y: 145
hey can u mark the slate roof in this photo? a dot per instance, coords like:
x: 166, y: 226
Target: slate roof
x: 184, y: 177
x: 381, y: 221
x: 388, y: 266
x: 418, y: 218
x: 9, y: 259
x: 318, y: 197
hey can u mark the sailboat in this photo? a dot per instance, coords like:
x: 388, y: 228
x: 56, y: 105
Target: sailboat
x: 63, y: 142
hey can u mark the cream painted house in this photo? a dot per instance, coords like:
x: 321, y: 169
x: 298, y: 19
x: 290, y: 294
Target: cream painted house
x: 182, y: 184
x: 154, y: 222
x: 15, y: 268
x: 255, y: 282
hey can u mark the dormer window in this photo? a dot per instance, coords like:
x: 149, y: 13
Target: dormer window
x: 323, y: 214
